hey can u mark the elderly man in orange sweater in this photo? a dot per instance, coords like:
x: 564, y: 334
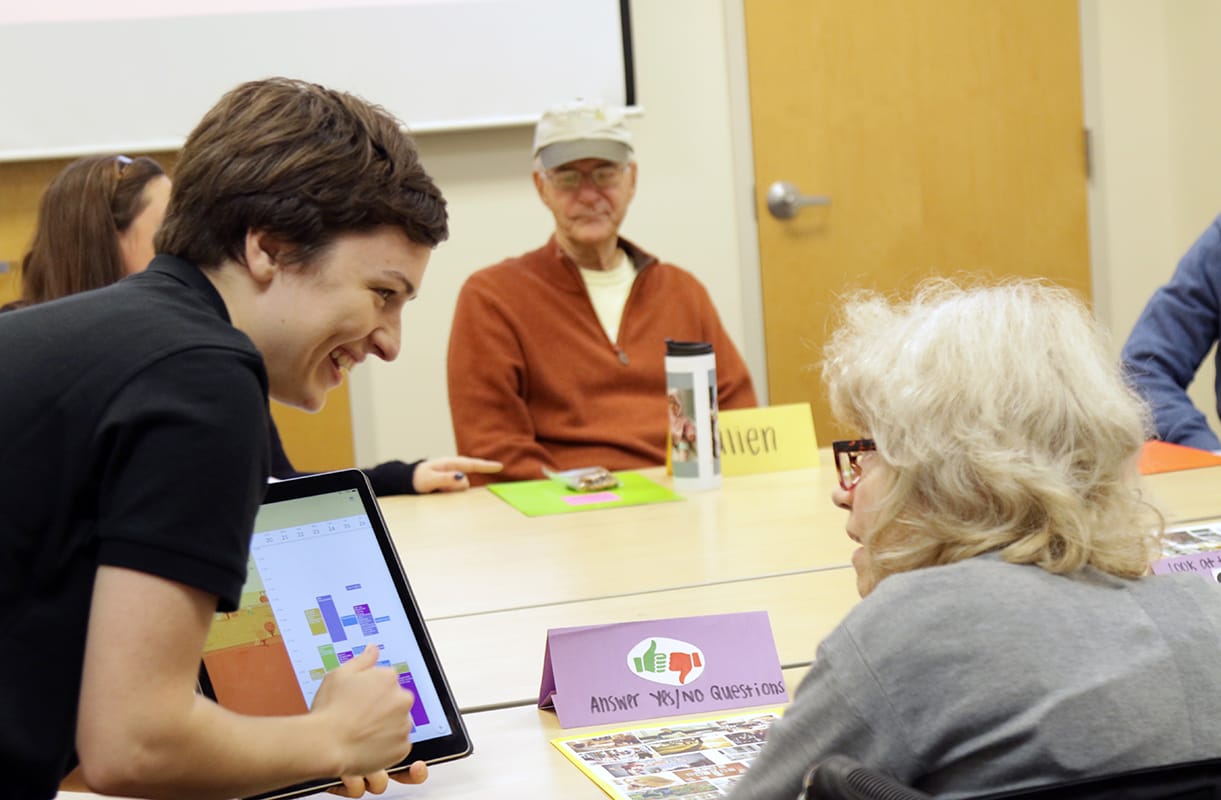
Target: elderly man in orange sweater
x: 557, y: 357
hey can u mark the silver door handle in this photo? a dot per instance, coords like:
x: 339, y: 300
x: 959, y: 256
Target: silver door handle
x: 784, y: 200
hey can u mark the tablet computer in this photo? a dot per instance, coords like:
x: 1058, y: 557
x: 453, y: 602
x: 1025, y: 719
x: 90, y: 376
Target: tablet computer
x: 324, y: 582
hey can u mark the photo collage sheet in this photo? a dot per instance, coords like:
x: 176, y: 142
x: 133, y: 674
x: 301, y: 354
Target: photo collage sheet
x: 1191, y: 548
x: 695, y: 759
x: 1191, y: 540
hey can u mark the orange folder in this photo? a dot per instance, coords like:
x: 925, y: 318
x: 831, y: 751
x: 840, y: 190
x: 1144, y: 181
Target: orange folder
x: 1159, y: 456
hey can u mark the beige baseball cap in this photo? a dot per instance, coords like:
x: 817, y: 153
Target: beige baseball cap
x: 582, y: 129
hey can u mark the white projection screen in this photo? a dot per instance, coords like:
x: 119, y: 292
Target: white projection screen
x: 79, y: 77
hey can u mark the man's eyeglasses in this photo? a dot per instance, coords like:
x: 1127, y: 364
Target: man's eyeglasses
x: 607, y: 176
x: 848, y: 454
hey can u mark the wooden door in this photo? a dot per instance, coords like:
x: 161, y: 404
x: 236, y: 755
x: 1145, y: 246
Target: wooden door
x: 948, y: 135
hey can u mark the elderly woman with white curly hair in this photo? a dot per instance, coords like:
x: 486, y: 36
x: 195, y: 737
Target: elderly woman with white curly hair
x: 1009, y: 634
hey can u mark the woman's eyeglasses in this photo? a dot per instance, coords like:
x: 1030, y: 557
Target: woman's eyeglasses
x: 848, y: 454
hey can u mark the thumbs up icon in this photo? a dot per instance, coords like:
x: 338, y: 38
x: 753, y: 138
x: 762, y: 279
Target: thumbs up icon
x: 660, y: 659
x: 651, y: 660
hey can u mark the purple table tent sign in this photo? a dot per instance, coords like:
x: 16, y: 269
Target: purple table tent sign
x: 629, y: 671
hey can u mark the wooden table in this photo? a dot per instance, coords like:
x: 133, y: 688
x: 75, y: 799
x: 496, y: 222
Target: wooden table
x: 491, y: 581
x: 788, y: 559
x: 514, y: 758
x: 496, y: 659
x: 471, y: 552
x: 1187, y: 496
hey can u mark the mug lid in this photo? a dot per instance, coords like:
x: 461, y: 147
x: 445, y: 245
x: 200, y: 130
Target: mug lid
x: 677, y: 348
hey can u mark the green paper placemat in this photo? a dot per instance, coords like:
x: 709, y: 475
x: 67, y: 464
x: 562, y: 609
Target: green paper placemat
x: 544, y: 497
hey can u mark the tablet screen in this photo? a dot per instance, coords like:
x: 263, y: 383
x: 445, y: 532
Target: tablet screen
x: 323, y: 583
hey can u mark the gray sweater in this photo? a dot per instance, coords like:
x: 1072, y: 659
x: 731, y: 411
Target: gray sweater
x: 986, y: 676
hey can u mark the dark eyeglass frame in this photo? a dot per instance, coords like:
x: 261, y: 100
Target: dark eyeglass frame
x: 848, y: 454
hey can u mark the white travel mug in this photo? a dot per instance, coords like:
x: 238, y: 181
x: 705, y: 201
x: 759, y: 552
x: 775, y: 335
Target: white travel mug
x: 693, y: 440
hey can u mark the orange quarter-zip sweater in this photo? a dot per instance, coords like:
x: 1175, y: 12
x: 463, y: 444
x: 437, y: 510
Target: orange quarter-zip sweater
x: 534, y: 381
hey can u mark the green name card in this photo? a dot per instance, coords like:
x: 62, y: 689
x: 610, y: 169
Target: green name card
x: 767, y: 439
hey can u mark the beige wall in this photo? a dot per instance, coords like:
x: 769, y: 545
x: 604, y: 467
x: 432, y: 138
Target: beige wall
x: 686, y: 210
x: 1150, y: 71
x: 1150, y: 78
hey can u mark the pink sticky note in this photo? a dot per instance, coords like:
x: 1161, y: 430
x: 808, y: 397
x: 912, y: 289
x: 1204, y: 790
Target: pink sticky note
x: 591, y: 498
x: 639, y: 670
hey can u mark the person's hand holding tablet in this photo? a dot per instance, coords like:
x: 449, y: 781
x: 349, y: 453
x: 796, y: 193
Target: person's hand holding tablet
x: 371, y: 713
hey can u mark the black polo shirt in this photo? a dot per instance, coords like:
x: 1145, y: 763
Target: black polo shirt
x: 133, y: 433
